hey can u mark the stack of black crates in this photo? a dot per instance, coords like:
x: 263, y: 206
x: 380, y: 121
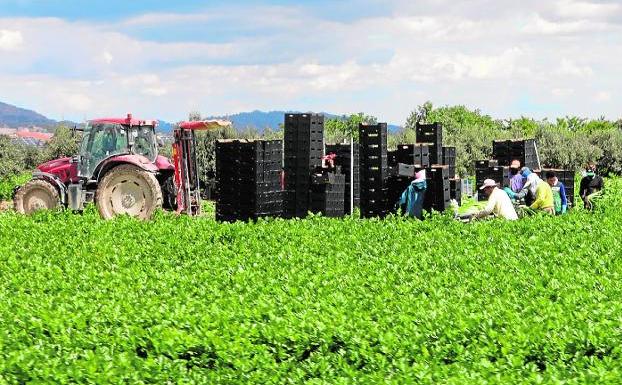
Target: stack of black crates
x: 327, y: 193
x: 437, y: 195
x: 342, y: 160
x: 248, y: 179
x: 567, y: 177
x: 304, y: 149
x: 487, y: 169
x: 504, y: 151
x: 374, y: 169
x: 455, y: 183
x: 433, y: 135
x: 415, y: 154
x: 449, y: 159
x: 440, y: 164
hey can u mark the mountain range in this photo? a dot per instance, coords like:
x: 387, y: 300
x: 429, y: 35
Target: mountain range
x: 15, y: 117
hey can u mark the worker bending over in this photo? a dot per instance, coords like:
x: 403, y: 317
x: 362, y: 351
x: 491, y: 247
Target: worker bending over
x: 592, y: 186
x: 543, y: 194
x: 499, y: 202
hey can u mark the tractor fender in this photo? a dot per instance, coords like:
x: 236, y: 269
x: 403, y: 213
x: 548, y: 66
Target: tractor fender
x: 54, y: 180
x: 136, y: 160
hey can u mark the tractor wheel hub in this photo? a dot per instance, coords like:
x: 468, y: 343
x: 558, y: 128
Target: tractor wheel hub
x: 128, y: 201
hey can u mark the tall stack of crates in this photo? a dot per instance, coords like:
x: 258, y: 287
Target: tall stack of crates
x: 449, y: 159
x: 374, y: 169
x: 524, y: 150
x: 327, y: 194
x: 437, y: 195
x: 499, y: 174
x: 304, y: 149
x: 432, y: 134
x: 567, y: 177
x: 416, y: 154
x: 343, y: 160
x: 248, y: 179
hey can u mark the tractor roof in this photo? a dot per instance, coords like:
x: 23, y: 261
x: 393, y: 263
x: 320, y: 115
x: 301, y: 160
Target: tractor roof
x: 129, y: 120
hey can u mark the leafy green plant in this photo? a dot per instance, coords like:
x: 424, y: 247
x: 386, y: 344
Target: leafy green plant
x: 319, y: 300
x: 8, y: 184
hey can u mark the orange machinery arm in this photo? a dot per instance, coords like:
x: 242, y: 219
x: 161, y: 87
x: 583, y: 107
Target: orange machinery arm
x: 185, y: 162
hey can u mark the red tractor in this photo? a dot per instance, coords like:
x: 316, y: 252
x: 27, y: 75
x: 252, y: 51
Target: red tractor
x: 119, y: 169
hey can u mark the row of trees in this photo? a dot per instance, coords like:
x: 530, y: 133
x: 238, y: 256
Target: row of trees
x: 566, y: 142
x: 16, y: 158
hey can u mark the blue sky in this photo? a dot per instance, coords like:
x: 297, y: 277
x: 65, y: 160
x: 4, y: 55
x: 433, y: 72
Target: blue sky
x: 162, y: 59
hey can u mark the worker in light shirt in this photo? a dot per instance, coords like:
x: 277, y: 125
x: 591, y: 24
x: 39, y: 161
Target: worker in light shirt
x: 499, y: 202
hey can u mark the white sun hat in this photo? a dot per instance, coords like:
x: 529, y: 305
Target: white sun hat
x: 488, y: 183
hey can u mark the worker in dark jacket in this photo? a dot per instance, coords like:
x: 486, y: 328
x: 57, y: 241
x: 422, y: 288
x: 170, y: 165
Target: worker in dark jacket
x: 592, y: 186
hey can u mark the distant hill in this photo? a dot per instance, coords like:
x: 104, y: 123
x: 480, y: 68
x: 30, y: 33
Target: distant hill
x: 12, y: 116
x: 260, y: 120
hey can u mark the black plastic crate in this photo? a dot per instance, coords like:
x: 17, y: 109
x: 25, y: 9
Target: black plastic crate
x: 429, y: 133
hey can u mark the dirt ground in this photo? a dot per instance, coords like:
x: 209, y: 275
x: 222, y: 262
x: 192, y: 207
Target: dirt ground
x: 5, y: 205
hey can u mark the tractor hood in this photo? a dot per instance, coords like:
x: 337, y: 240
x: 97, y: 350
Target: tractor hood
x: 62, y: 168
x: 55, y: 164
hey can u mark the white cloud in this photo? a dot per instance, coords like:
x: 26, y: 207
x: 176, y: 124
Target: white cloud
x: 570, y: 68
x: 10, y: 40
x: 586, y: 10
x: 603, y: 96
x: 107, y: 57
x: 562, y: 92
x: 489, y: 55
x: 539, y: 25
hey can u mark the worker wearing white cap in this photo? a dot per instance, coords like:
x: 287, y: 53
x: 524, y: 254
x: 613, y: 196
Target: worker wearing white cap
x: 499, y: 202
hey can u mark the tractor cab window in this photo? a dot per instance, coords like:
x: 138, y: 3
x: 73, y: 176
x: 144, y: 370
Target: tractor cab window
x: 101, y: 141
x: 145, y: 142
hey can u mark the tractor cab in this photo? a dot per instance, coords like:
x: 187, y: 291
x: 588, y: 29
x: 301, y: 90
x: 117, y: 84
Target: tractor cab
x: 107, y: 138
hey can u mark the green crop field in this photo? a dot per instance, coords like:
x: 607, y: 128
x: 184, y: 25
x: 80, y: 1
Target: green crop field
x: 188, y: 300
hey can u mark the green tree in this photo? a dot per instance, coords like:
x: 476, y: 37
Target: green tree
x: 338, y: 130
x: 64, y: 143
x: 12, y: 157
x: 470, y: 131
x: 206, y: 148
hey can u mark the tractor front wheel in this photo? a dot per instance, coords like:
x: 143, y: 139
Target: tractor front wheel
x: 36, y: 194
x: 128, y: 190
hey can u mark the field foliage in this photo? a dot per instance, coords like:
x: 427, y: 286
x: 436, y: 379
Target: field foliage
x: 189, y: 300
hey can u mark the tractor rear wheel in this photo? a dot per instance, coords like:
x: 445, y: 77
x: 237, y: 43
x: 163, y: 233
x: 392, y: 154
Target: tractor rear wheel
x: 128, y: 190
x: 36, y: 194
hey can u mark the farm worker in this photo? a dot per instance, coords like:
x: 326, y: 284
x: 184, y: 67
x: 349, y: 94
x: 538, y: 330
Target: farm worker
x: 560, y: 201
x: 592, y: 186
x: 531, y: 184
x: 544, y: 196
x: 499, y: 202
x: 516, y: 178
x: 412, y: 198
